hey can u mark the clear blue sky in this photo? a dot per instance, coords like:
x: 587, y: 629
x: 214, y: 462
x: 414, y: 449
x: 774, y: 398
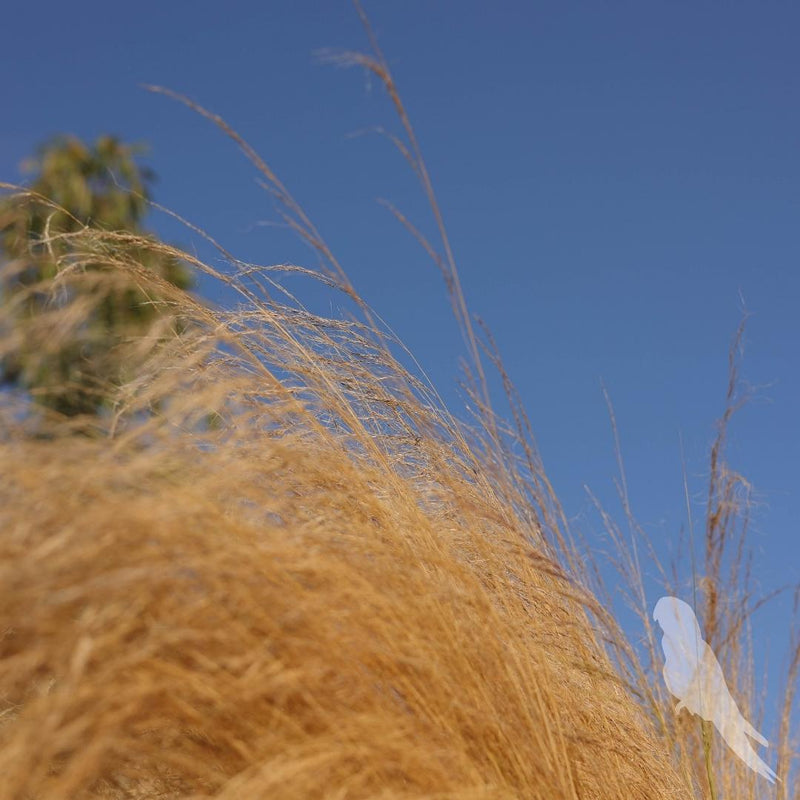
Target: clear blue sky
x: 612, y: 175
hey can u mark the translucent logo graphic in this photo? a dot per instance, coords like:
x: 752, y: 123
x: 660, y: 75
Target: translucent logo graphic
x: 693, y: 675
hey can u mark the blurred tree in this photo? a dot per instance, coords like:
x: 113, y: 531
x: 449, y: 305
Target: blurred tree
x: 100, y: 186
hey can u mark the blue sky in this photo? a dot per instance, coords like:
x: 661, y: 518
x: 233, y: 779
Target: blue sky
x: 614, y: 178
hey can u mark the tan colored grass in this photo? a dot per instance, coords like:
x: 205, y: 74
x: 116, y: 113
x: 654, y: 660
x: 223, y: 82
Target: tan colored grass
x: 332, y: 593
x: 283, y: 622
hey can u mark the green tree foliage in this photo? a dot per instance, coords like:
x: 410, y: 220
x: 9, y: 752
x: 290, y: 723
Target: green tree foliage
x: 76, y: 186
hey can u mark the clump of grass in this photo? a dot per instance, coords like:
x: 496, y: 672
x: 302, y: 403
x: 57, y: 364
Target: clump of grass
x: 333, y: 590
x: 278, y: 567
